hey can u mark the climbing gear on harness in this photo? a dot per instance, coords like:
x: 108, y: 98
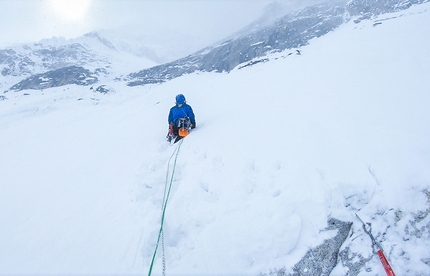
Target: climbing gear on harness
x: 180, y: 130
x: 368, y: 229
x: 184, y: 126
x: 183, y: 132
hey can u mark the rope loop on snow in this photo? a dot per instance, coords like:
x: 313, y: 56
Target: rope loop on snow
x: 164, y: 205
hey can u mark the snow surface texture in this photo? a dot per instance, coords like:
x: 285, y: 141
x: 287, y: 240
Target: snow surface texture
x: 279, y: 148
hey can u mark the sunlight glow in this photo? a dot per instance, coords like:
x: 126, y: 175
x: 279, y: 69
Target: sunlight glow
x: 71, y: 10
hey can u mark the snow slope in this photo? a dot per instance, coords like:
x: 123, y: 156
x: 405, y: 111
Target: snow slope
x: 279, y: 147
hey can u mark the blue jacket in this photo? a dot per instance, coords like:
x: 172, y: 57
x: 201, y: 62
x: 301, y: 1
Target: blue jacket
x: 185, y: 111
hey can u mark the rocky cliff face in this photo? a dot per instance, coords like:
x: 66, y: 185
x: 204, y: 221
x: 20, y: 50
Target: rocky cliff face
x: 59, y: 77
x: 60, y: 61
x: 366, y: 9
x: 41, y: 66
x: 288, y: 32
x: 27, y: 60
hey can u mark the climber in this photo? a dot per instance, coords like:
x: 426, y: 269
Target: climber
x: 181, y: 119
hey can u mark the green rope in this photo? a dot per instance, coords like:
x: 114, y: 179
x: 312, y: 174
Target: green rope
x: 164, y: 207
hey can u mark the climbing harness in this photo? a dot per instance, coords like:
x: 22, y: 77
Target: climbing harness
x: 184, y: 127
x: 163, y: 208
x: 368, y: 229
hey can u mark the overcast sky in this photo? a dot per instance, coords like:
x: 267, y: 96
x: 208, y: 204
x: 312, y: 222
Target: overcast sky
x: 32, y: 20
x: 209, y: 20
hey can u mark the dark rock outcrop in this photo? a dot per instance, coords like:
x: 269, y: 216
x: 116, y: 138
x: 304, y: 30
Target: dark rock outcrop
x: 63, y: 76
x: 322, y: 259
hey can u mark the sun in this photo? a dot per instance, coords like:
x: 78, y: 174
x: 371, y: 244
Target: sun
x: 72, y: 10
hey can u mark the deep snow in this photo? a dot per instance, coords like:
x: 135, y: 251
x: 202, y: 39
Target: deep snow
x: 279, y: 147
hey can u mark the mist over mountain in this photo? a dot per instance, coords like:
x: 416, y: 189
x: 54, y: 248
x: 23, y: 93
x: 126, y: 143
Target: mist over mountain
x: 271, y: 13
x: 102, y: 53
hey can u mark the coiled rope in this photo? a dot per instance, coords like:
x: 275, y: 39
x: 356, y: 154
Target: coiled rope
x: 163, y: 207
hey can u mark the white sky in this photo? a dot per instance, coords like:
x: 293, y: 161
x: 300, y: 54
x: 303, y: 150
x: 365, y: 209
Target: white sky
x: 209, y: 20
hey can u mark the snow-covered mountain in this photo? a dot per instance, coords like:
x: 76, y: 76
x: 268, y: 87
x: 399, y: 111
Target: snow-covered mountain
x: 65, y: 62
x: 288, y: 32
x: 284, y: 155
x: 96, y: 56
